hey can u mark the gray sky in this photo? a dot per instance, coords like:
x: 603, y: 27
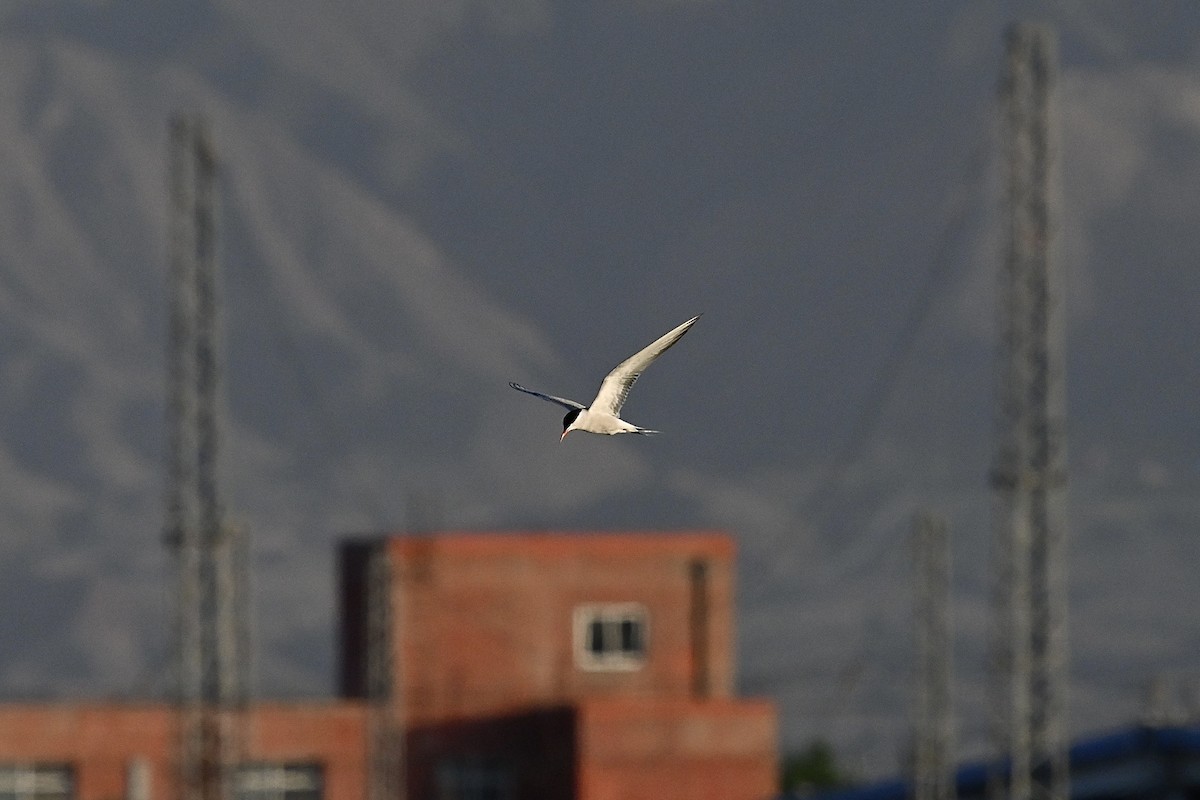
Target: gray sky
x: 424, y: 200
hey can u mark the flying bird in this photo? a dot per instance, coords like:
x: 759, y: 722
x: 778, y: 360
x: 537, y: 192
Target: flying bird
x: 604, y: 414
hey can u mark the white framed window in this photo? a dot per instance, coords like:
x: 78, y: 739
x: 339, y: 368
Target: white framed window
x: 474, y: 779
x: 279, y: 782
x: 36, y: 782
x: 610, y: 636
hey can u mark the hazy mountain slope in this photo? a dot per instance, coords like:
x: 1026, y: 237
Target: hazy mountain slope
x: 354, y: 353
x: 421, y: 201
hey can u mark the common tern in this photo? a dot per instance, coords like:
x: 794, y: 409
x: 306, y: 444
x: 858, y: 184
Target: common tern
x: 604, y: 414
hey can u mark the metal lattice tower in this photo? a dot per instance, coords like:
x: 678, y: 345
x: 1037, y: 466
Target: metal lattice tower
x: 210, y: 631
x: 1029, y: 472
x: 386, y: 778
x: 933, y: 757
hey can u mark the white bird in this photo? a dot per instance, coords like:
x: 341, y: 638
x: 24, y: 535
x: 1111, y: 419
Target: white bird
x: 604, y: 414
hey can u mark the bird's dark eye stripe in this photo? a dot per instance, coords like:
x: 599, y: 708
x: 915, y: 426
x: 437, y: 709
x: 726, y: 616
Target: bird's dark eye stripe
x: 570, y: 417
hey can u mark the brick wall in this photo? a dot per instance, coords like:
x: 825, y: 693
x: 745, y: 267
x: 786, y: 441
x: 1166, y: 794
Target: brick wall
x: 483, y: 623
x: 101, y: 741
x: 676, y: 750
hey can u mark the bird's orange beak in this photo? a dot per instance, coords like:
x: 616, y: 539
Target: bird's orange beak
x: 568, y: 430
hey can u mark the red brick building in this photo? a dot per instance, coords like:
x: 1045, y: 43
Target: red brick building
x: 110, y: 751
x: 480, y: 665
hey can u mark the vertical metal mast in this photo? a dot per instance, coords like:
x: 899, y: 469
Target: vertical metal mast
x: 386, y: 717
x: 933, y: 766
x: 208, y: 554
x: 1029, y: 472
x: 182, y: 523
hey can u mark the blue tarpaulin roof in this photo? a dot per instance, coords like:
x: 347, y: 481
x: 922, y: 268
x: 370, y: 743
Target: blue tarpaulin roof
x: 1122, y: 744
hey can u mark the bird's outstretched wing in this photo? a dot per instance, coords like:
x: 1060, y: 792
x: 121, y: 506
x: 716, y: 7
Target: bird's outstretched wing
x: 570, y: 405
x: 616, y: 385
